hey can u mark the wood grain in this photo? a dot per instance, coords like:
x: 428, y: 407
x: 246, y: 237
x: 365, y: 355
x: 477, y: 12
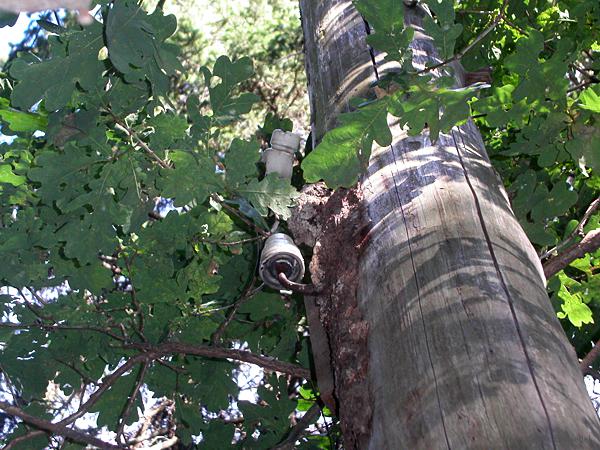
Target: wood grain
x: 465, y: 350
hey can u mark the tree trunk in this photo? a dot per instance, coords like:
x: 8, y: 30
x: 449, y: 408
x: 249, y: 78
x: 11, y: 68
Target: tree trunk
x: 437, y: 322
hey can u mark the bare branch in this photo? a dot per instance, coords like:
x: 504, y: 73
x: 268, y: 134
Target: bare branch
x: 14, y: 444
x: 41, y: 326
x: 248, y: 293
x: 590, y: 358
x: 132, y: 134
x: 242, y: 218
x: 477, y: 40
x: 590, y: 243
x: 231, y: 243
x: 289, y: 443
x: 581, y: 86
x: 106, y: 384
x: 168, y: 443
x: 56, y: 428
x: 577, y: 231
x: 148, y: 419
x: 131, y: 400
x: 136, y: 304
x: 222, y: 353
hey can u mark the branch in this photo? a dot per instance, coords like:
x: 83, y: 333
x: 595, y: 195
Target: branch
x: 588, y: 244
x: 590, y: 358
x: 223, y: 353
x: 248, y: 293
x: 148, y: 419
x: 18, y: 440
x: 169, y: 443
x: 581, y: 86
x: 585, y: 72
x: 289, y: 443
x: 131, y: 400
x: 241, y: 217
x: 136, y: 304
x: 132, y: 134
x: 106, y: 384
x: 475, y: 41
x: 230, y: 243
x: 577, y: 231
x: 56, y: 428
x: 41, y: 326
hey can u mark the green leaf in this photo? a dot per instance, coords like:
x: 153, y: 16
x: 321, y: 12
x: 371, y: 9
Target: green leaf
x: 558, y: 201
x: 225, y: 105
x: 573, y: 308
x: 8, y: 176
x: 193, y: 178
x: 590, y: 99
x: 74, y: 64
x: 136, y: 47
x: 585, y: 147
x: 168, y: 129
x: 271, y: 193
x: 7, y: 19
x: 21, y: 121
x: 344, y: 151
x: 445, y: 31
x: 240, y: 162
x: 129, y: 36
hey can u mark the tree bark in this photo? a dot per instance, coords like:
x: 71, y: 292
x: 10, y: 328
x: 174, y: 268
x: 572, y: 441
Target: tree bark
x: 438, y: 326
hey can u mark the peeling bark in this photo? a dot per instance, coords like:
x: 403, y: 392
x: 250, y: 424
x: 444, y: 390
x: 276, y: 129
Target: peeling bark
x: 338, y: 223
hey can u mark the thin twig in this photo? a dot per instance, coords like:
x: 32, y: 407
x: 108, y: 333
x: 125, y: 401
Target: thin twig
x: 168, y: 443
x: 106, y: 384
x: 11, y: 386
x: 14, y: 444
x: 289, y: 443
x: 231, y: 243
x: 132, y: 134
x: 473, y: 43
x: 246, y: 295
x: 56, y: 428
x: 135, y: 302
x: 33, y: 308
x: 585, y: 72
x: 148, y: 418
x: 581, y: 86
x: 242, y: 218
x: 82, y: 375
x: 131, y: 400
x: 41, y: 326
x: 591, y: 209
x: 37, y: 296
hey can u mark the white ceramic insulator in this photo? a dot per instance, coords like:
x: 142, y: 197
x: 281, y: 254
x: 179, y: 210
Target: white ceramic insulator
x: 279, y: 158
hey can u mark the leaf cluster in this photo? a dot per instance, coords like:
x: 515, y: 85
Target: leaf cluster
x: 149, y: 232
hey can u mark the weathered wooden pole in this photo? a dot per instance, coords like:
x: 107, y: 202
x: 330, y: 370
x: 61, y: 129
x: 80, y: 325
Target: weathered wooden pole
x: 438, y: 326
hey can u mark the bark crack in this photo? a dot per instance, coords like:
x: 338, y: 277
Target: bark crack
x: 502, y: 281
x: 418, y: 287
